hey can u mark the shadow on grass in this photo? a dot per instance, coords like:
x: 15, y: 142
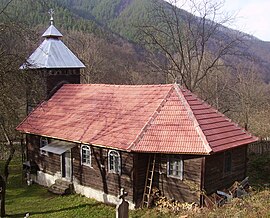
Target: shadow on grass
x: 29, y: 191
x: 54, y: 211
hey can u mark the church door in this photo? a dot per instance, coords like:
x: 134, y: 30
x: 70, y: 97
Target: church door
x: 66, y: 165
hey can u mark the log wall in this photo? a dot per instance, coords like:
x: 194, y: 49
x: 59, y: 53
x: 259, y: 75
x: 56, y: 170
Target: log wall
x: 57, y: 76
x: 215, y: 178
x: 186, y: 190
x: 140, y: 163
x: 50, y: 163
x: 134, y: 167
x: 98, y: 177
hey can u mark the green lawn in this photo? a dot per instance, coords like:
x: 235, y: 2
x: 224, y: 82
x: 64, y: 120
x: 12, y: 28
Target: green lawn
x: 37, y: 201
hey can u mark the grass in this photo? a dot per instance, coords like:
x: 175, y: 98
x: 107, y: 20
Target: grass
x: 259, y: 170
x: 37, y: 201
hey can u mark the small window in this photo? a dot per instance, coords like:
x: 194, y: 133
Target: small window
x: 227, y: 162
x: 43, y: 142
x: 86, y: 155
x: 114, y: 162
x: 175, y: 166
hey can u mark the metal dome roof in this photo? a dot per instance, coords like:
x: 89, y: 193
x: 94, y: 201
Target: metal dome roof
x: 52, y: 53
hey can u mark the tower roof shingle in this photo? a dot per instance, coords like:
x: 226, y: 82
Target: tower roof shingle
x: 52, y: 53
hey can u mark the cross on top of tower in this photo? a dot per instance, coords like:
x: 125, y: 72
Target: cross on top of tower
x: 51, y: 12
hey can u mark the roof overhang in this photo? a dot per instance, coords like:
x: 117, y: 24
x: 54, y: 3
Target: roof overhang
x: 58, y: 147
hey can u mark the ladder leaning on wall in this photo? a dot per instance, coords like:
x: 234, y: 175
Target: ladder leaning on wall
x: 149, y: 180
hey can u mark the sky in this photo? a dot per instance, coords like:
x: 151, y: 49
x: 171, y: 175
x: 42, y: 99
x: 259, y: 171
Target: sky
x: 251, y: 16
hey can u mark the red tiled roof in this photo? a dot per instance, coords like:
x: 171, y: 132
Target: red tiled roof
x: 146, y: 118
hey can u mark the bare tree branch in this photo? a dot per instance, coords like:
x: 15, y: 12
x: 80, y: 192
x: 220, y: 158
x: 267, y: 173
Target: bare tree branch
x: 192, y: 44
x: 5, y: 7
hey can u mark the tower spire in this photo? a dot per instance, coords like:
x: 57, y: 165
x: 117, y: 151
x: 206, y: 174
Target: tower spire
x: 51, y: 12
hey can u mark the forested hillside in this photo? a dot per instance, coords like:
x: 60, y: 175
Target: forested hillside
x: 110, y: 37
x: 35, y: 13
x: 84, y: 35
x: 123, y: 17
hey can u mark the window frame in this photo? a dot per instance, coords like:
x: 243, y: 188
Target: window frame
x: 227, y: 166
x: 90, y: 155
x: 41, y: 141
x: 113, y: 169
x: 177, y: 162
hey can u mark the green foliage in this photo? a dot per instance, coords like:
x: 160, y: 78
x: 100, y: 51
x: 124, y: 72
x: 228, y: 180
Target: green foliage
x: 32, y: 13
x: 120, y: 16
x: 259, y: 169
x: 135, y: 14
x: 106, y: 10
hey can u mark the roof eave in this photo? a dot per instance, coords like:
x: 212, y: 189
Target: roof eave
x: 173, y: 152
x: 74, y: 141
x: 50, y: 67
x: 114, y: 148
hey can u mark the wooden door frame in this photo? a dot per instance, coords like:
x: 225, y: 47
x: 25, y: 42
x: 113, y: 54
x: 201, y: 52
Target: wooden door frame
x: 63, y: 166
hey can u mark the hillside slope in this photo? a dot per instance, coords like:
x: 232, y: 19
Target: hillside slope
x: 113, y: 19
x: 123, y: 16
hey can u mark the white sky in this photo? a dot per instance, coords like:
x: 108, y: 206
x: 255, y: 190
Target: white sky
x: 252, y: 16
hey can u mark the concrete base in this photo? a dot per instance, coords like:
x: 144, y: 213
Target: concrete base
x: 99, y: 195
x: 45, y: 179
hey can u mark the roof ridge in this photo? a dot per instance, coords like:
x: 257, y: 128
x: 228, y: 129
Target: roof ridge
x: 47, y: 53
x: 192, y: 118
x: 150, y: 121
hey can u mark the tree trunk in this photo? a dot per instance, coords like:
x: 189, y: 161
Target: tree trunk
x: 2, y: 196
x: 4, y: 177
x: 11, y: 154
x: 101, y: 165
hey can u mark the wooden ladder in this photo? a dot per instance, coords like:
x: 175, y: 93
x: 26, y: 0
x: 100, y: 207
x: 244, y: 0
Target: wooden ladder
x: 149, y: 180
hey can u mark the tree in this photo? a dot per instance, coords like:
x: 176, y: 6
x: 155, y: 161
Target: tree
x: 8, y: 107
x: 13, y: 48
x: 249, y: 98
x: 214, y: 89
x: 4, y: 176
x: 91, y: 51
x: 193, y: 45
x: 260, y: 121
x: 109, y: 59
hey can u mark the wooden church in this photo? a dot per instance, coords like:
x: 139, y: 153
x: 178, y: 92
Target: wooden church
x: 99, y: 138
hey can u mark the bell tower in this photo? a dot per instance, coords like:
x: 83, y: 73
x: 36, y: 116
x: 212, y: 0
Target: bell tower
x: 50, y: 66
